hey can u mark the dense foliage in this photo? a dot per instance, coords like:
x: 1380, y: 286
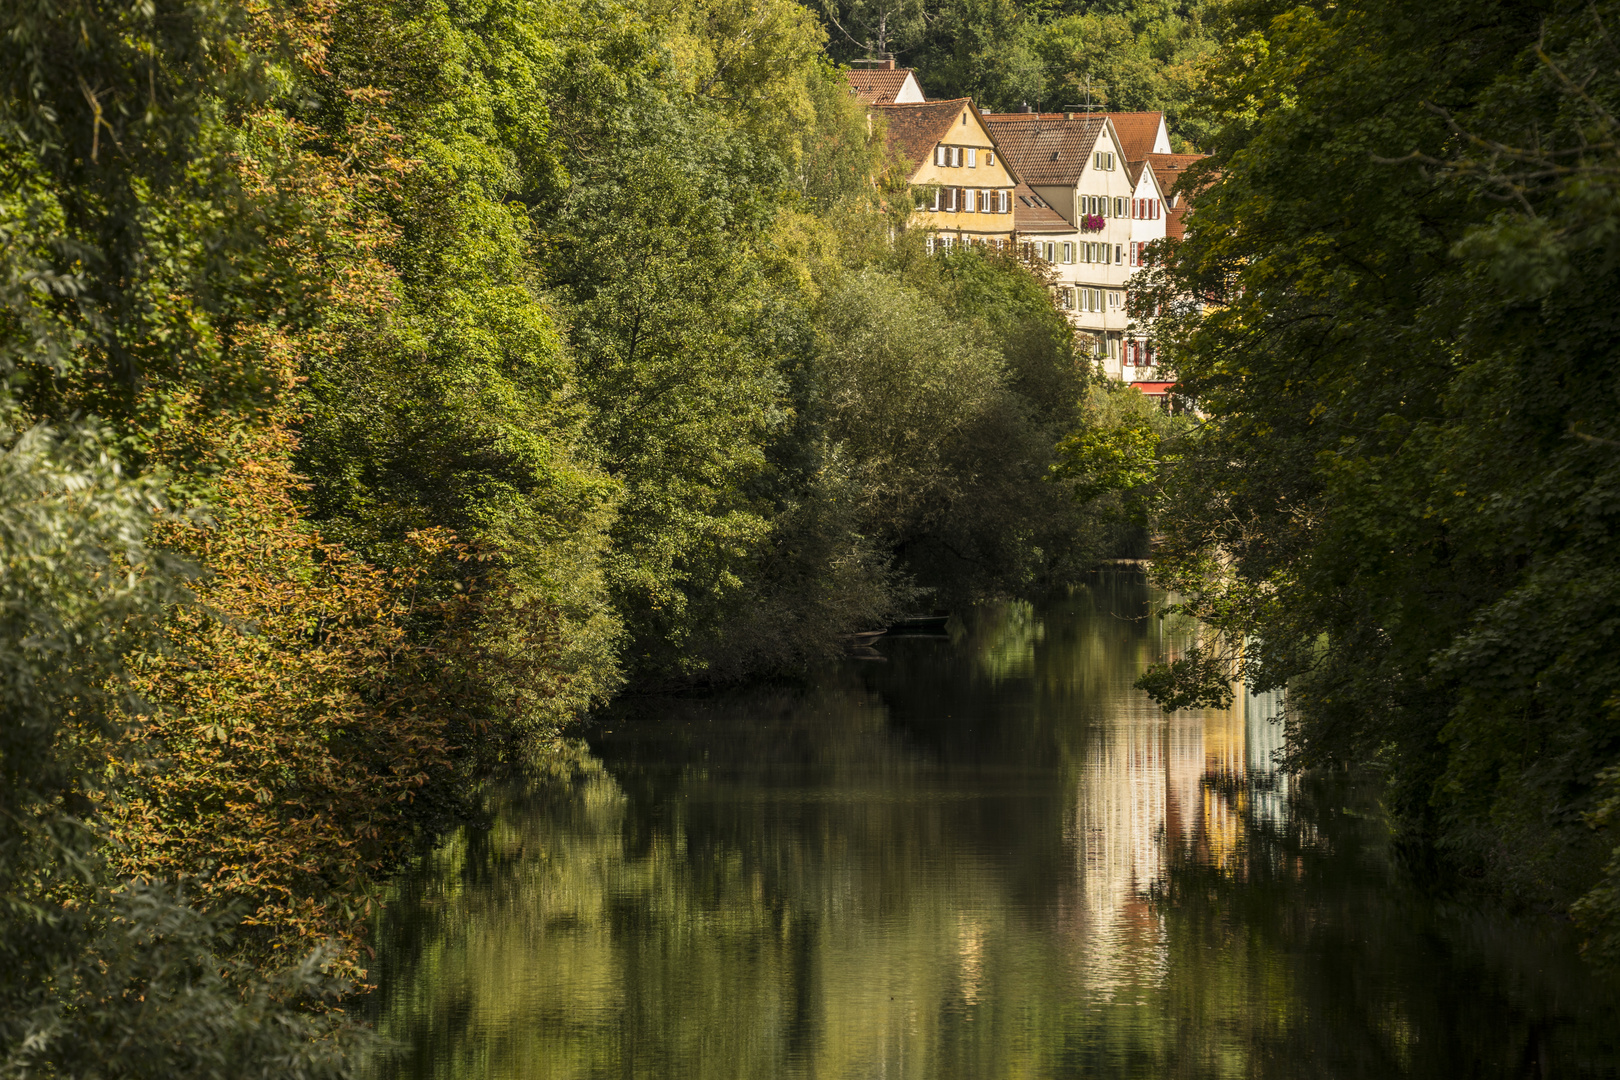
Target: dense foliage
x: 1118, y: 55
x: 386, y: 385
x: 1396, y: 311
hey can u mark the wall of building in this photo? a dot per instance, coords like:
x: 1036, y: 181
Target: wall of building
x: 981, y: 170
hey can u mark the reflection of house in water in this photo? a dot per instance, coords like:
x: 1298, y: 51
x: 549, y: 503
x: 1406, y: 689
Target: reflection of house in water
x: 1152, y: 787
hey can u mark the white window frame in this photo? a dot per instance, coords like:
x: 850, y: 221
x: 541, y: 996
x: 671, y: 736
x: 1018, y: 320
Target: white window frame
x: 1068, y: 251
x: 973, y: 157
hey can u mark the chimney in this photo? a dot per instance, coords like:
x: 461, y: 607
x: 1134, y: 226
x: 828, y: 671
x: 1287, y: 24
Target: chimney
x: 1024, y: 107
x: 888, y: 62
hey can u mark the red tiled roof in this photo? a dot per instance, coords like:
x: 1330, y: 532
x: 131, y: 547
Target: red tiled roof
x: 1137, y: 132
x: 1154, y: 389
x: 917, y: 129
x: 877, y: 86
x: 1174, y: 225
x: 1038, y: 218
x: 1046, y: 148
x: 1171, y: 167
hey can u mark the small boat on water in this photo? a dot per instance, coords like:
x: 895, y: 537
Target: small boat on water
x: 920, y: 624
x: 866, y: 637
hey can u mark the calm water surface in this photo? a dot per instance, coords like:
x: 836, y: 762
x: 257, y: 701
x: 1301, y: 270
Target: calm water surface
x: 980, y: 856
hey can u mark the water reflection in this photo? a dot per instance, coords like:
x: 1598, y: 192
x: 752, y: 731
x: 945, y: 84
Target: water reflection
x: 988, y: 857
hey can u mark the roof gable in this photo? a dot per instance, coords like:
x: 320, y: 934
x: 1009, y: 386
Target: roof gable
x: 885, y: 86
x: 1136, y: 169
x: 1141, y: 134
x: 1169, y: 169
x: 916, y: 129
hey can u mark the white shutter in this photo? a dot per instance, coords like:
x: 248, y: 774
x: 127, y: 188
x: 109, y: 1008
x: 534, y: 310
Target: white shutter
x: 972, y: 157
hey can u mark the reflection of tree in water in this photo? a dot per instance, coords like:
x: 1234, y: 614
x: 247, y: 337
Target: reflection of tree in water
x: 988, y: 858
x: 1311, y: 946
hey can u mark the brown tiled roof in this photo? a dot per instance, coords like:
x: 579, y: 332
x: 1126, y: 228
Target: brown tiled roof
x: 917, y: 129
x: 877, y: 86
x: 1037, y: 218
x: 1045, y: 148
x: 1137, y: 132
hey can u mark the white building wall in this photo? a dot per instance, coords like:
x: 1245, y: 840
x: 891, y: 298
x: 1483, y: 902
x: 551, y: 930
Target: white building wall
x: 1147, y: 224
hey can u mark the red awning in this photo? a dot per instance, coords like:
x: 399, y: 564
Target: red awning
x: 1154, y: 389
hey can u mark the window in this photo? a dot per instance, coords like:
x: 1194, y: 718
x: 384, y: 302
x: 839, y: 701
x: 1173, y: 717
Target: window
x: 969, y: 198
x: 956, y: 157
x: 989, y: 158
x: 1119, y: 207
x: 939, y: 155
x: 1119, y: 253
x: 1104, y: 161
x: 1068, y: 253
x: 1005, y: 202
x: 950, y: 200
x: 939, y: 198
x: 973, y: 157
x: 1051, y: 252
x: 1067, y: 297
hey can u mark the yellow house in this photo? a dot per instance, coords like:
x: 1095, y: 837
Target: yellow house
x: 950, y: 149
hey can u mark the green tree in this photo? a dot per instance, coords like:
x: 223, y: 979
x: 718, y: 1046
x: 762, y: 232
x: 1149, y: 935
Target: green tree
x: 1392, y: 307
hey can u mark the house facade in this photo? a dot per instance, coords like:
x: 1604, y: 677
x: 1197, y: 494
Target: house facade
x: 1075, y: 165
x: 952, y: 153
x: 1148, y: 220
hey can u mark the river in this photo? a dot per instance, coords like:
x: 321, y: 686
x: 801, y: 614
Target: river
x: 977, y: 856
